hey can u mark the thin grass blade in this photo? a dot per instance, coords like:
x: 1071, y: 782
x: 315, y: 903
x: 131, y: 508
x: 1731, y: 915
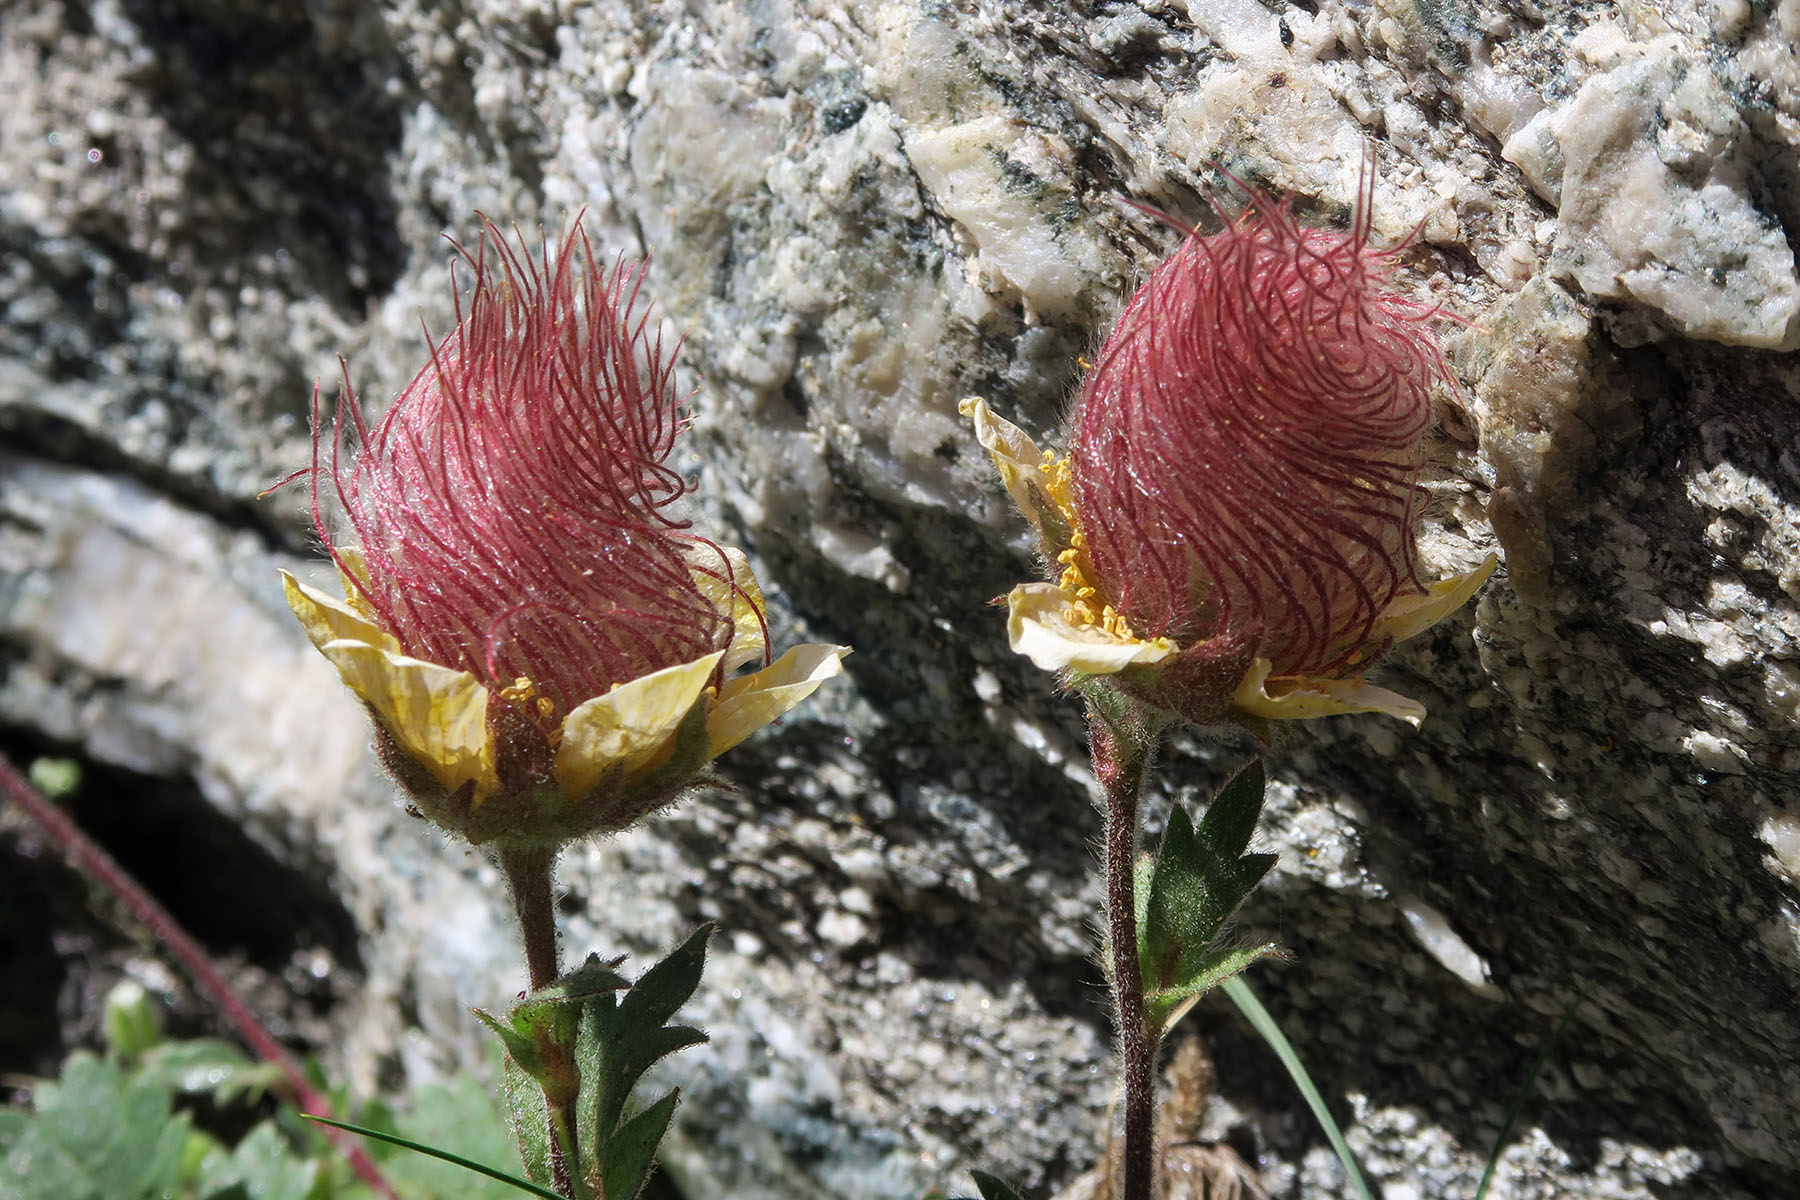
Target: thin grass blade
x: 1524, y: 1093
x: 434, y: 1152
x: 1264, y: 1024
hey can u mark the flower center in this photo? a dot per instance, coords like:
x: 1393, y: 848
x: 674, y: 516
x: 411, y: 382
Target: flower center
x: 524, y: 693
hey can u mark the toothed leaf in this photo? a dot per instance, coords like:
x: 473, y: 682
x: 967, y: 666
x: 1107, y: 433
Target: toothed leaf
x: 994, y: 1188
x: 622, y: 1037
x: 669, y: 984
x: 1198, y: 880
x: 631, y: 1151
x: 1166, y: 1006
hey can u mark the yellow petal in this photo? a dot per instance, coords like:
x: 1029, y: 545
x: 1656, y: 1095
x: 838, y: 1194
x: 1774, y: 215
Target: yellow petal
x: 746, y: 705
x: 625, y: 729
x: 353, y: 563
x: 1040, y: 626
x: 328, y: 620
x: 350, y: 559
x: 1299, y: 697
x: 436, y: 715
x: 1413, y: 615
x: 743, y: 603
x: 1016, y: 457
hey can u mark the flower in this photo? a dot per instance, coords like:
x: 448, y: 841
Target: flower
x: 546, y: 648
x: 1233, y: 527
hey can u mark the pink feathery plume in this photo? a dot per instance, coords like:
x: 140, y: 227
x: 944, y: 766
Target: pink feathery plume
x: 1246, y: 449
x: 515, y: 508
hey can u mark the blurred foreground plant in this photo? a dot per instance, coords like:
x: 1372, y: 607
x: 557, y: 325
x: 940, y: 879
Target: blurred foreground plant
x: 546, y: 648
x: 153, y: 1118
x: 131, y: 1028
x: 1230, y: 540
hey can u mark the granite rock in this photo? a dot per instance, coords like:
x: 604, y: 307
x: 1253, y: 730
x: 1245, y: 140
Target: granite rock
x: 858, y: 215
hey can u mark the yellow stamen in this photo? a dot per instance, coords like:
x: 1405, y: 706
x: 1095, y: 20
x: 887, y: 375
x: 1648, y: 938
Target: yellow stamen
x: 524, y: 693
x: 1088, y: 607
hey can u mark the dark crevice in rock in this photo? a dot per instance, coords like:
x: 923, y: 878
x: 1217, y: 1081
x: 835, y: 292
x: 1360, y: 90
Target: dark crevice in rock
x: 278, y: 932
x: 46, y: 937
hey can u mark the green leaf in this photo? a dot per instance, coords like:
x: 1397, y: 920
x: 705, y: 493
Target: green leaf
x: 1231, y: 818
x: 1199, y: 879
x: 263, y: 1166
x: 530, y: 1120
x: 994, y: 1188
x: 623, y: 1037
x: 669, y: 984
x: 443, y: 1156
x: 14, y: 1126
x: 1169, y: 1005
x: 457, y: 1127
x: 631, y: 1151
x: 97, y: 1134
x: 591, y: 978
x: 208, y: 1066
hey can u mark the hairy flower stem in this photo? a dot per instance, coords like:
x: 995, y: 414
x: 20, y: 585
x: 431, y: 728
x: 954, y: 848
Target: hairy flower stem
x: 1121, y: 743
x: 530, y: 872
x: 104, y: 871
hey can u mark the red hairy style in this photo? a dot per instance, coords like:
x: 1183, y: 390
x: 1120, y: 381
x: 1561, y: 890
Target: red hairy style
x: 1245, y: 451
x: 514, y: 506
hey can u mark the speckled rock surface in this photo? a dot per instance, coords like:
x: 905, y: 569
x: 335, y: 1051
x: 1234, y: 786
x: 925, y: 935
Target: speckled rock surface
x: 860, y: 214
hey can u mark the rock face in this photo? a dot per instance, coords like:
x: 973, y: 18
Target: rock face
x: 859, y: 215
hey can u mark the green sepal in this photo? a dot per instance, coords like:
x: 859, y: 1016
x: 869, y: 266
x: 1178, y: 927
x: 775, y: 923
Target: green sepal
x: 530, y: 1121
x: 521, y: 1050
x: 541, y: 1030
x: 1199, y: 878
x: 631, y: 1151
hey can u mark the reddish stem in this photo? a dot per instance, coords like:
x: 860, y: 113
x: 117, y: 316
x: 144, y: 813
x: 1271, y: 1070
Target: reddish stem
x: 102, y: 869
x: 530, y: 871
x: 1121, y: 752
